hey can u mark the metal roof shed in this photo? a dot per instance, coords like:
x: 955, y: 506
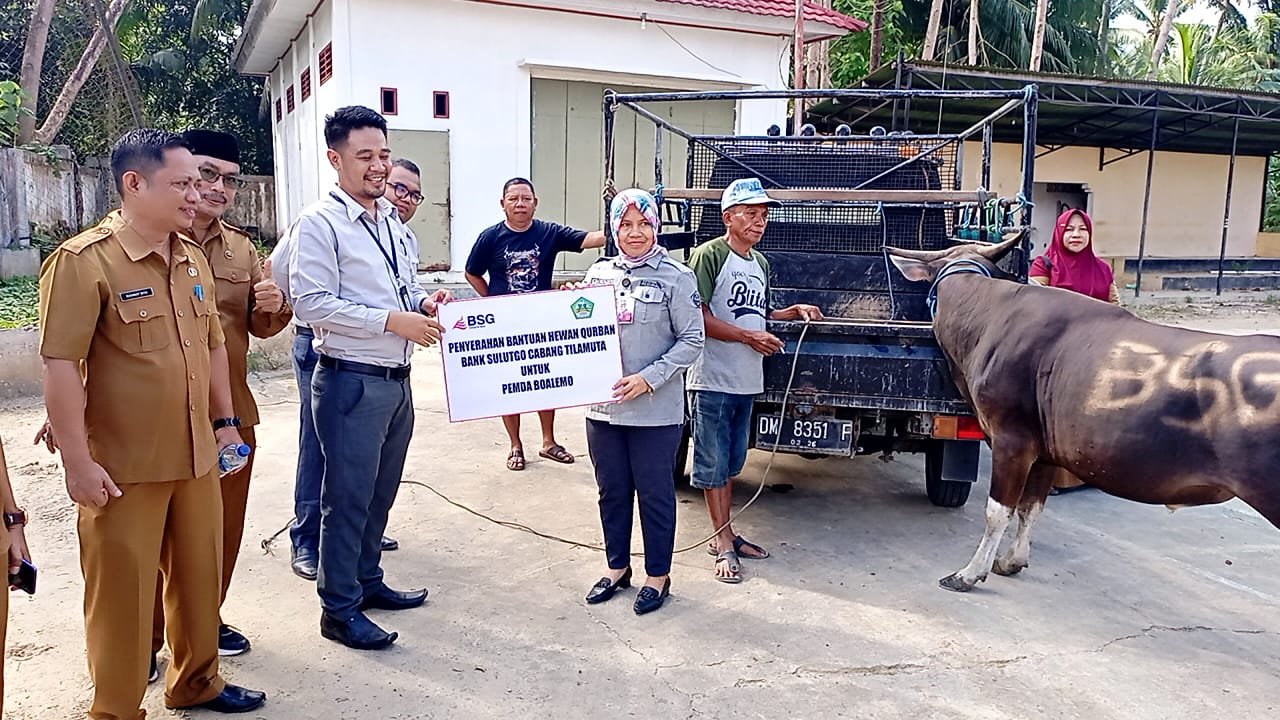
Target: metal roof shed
x: 1121, y: 118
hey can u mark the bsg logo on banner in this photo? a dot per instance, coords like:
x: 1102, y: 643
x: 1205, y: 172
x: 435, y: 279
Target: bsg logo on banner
x: 471, y: 322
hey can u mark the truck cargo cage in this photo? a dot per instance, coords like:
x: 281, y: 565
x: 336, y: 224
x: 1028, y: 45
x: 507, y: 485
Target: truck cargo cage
x: 842, y: 193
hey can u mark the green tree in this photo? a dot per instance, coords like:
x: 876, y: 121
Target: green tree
x: 181, y: 53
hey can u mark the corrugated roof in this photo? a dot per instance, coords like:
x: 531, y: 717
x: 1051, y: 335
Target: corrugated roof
x: 781, y: 8
x: 1075, y: 110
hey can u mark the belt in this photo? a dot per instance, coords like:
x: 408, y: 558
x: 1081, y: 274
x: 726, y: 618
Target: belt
x: 388, y: 373
x: 303, y: 331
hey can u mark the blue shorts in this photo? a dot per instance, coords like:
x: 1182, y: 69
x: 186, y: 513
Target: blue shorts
x: 721, y: 434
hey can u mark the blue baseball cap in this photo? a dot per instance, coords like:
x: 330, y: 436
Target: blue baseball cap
x: 747, y: 191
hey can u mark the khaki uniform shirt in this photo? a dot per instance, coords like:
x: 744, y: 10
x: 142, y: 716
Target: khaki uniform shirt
x: 142, y: 331
x: 236, y: 270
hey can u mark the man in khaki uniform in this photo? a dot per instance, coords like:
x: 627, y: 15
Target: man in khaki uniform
x: 131, y: 303
x: 248, y: 303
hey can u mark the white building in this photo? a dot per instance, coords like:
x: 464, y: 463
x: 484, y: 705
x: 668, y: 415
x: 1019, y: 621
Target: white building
x: 479, y: 91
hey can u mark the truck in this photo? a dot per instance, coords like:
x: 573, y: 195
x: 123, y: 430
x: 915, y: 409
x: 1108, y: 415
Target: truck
x: 870, y: 378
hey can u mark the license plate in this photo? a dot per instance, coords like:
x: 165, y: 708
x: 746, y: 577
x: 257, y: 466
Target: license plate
x: 818, y: 435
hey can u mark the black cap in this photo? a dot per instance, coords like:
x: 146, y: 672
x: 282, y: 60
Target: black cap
x: 220, y: 145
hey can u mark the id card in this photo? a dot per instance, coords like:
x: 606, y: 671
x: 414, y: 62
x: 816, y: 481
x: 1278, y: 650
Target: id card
x: 626, y: 308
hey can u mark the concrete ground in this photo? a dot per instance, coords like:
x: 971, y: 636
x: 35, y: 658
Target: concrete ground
x: 1126, y: 611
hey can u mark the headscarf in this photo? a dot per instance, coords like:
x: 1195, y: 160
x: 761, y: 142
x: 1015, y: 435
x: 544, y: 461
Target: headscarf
x: 648, y: 206
x: 1082, y: 272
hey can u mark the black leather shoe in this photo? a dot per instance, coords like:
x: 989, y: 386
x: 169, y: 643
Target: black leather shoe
x: 232, y: 699
x: 605, y: 589
x: 389, y: 544
x: 231, y: 642
x: 648, y: 599
x: 305, y: 564
x: 357, y: 632
x: 388, y: 599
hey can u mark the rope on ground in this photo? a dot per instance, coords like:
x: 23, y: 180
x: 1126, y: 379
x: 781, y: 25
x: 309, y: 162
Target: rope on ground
x: 267, y: 544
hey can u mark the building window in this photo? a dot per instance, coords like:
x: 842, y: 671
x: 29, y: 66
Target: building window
x: 279, y: 110
x: 390, y: 101
x: 305, y: 82
x: 440, y: 104
x: 288, y: 99
x: 326, y: 63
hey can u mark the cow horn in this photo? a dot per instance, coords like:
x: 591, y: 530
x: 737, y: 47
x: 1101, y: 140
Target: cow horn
x: 921, y: 255
x: 996, y: 251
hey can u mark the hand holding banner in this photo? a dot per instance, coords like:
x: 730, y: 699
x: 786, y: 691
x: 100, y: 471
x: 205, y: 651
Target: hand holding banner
x: 513, y: 354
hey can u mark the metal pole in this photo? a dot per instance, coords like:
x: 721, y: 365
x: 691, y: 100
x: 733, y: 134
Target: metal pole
x: 1028, y: 172
x: 1226, y: 212
x: 987, y: 132
x: 610, y: 109
x: 657, y: 161
x: 897, y: 85
x: 798, y: 80
x: 1146, y: 198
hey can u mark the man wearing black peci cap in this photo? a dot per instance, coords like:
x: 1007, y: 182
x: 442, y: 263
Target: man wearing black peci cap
x: 249, y: 303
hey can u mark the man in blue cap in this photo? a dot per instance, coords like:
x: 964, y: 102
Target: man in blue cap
x: 733, y: 280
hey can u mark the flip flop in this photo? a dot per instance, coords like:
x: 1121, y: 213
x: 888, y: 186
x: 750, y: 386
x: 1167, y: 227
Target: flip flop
x: 738, y: 543
x: 515, y: 461
x: 735, y: 567
x: 558, y: 454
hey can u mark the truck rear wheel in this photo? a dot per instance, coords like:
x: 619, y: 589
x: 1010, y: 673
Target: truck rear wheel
x: 950, y: 469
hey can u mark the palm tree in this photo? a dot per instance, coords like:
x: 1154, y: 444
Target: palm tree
x: 931, y: 33
x: 877, y: 32
x: 973, y: 32
x: 1037, y: 42
x: 1162, y: 39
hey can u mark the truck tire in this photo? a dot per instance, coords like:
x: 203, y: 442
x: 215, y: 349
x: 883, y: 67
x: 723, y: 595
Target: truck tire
x: 950, y: 469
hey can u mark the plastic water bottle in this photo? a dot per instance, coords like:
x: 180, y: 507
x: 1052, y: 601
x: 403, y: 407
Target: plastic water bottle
x: 233, y: 457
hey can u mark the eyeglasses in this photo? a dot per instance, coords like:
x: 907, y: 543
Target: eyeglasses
x: 229, y: 181
x: 403, y: 192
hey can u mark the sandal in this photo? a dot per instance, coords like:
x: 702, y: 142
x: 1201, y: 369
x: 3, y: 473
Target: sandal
x: 740, y: 542
x: 558, y: 454
x: 515, y: 461
x: 735, y: 568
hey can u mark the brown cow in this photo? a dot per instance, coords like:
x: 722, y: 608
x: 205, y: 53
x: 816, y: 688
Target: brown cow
x: 1065, y: 383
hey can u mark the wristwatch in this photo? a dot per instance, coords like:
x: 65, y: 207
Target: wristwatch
x: 15, y: 519
x: 225, y: 423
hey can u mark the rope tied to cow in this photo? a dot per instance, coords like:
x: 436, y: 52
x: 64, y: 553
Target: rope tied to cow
x: 962, y: 266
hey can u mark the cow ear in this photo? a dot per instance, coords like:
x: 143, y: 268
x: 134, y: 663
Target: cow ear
x: 912, y: 269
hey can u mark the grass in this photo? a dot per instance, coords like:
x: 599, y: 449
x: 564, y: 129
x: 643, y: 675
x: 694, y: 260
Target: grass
x: 19, y: 303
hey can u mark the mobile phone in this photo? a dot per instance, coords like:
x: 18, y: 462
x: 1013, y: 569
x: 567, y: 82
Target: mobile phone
x: 25, y: 578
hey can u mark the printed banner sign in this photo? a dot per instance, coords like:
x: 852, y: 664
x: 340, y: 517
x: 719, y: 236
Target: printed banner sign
x: 535, y: 351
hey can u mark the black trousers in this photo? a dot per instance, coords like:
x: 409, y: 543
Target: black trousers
x: 633, y: 462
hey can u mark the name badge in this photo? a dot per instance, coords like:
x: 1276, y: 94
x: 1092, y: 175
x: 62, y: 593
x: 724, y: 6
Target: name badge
x: 626, y: 308
x: 138, y: 294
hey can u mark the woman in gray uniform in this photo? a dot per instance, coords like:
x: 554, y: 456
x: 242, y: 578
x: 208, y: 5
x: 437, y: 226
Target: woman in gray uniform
x: 632, y: 441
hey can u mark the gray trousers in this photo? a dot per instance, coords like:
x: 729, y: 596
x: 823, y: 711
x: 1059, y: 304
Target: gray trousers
x: 364, y: 424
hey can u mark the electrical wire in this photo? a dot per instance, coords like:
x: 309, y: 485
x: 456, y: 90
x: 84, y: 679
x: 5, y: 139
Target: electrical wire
x: 267, y: 543
x: 693, y: 54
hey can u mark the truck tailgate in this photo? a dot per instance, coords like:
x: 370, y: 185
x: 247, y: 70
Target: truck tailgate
x: 869, y: 364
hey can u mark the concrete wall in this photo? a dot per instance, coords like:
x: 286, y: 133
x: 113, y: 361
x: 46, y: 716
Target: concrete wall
x: 19, y: 363
x: 486, y: 56
x: 40, y: 198
x: 1188, y: 194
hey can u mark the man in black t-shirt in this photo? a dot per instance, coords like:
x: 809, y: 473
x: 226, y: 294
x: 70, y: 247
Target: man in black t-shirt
x: 519, y: 255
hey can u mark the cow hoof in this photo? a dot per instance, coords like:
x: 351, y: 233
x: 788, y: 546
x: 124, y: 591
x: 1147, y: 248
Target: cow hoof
x: 1007, y: 569
x: 956, y: 583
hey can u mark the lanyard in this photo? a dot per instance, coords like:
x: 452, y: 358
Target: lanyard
x: 392, y: 259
